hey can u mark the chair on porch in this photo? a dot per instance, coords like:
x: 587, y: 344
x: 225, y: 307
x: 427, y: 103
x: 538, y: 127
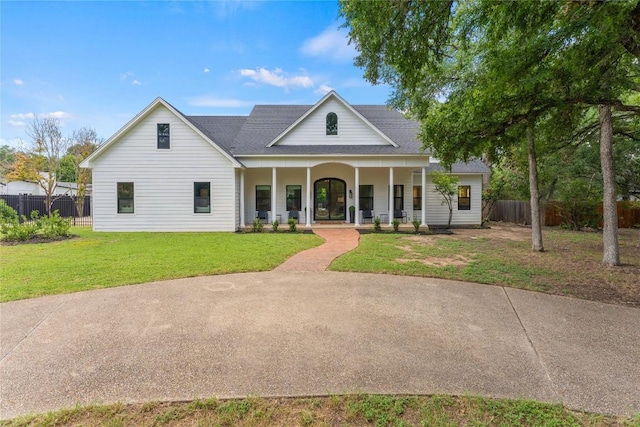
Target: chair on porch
x: 263, y: 216
x: 295, y: 215
x: 400, y: 215
x: 367, y: 214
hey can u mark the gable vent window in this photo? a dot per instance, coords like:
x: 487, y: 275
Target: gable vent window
x: 163, y: 136
x: 332, y: 124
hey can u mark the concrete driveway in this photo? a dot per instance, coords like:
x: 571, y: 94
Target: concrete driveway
x: 287, y: 333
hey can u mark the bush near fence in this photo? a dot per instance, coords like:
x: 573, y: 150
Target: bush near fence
x: 519, y: 212
x: 24, y: 204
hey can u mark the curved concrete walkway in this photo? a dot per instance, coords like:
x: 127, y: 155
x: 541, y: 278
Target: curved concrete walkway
x: 283, y: 333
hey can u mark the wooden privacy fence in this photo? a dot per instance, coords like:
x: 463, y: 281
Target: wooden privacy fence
x: 519, y: 212
x: 24, y: 204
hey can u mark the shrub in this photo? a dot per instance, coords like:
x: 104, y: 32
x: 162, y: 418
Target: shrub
x: 396, y: 224
x: 7, y: 213
x: 275, y: 225
x: 416, y: 225
x: 12, y: 230
x: 257, y: 225
x: 54, y: 226
x: 292, y: 225
x: 376, y: 224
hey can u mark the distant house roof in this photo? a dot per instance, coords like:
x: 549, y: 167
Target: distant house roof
x: 472, y: 166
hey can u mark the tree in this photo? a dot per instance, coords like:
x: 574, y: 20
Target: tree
x: 85, y: 141
x: 7, y: 157
x: 47, y: 141
x: 445, y: 185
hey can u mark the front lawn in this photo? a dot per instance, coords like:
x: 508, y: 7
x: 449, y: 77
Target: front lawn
x: 502, y: 256
x: 100, y: 260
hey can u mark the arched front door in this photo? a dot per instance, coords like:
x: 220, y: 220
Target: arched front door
x: 329, y: 196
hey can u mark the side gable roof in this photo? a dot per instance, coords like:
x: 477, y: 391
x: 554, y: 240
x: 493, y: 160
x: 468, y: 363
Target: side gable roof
x: 473, y: 166
x: 87, y: 163
x: 331, y: 94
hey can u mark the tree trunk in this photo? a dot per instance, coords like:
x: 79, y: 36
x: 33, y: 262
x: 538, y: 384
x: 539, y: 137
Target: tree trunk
x: 611, y: 254
x: 536, y: 227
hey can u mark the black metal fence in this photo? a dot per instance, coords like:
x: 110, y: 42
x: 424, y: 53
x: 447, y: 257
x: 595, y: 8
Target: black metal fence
x: 24, y: 204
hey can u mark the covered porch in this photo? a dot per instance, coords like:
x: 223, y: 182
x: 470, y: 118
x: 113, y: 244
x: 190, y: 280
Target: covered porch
x: 320, y: 192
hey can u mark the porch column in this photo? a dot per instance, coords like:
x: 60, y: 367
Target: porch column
x: 357, y: 196
x: 390, y: 196
x: 273, y: 194
x: 423, y: 222
x: 242, y: 224
x: 308, y: 210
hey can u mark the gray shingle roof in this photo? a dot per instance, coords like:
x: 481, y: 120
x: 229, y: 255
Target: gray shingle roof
x: 472, y: 166
x: 220, y: 129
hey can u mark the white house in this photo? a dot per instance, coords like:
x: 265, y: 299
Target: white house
x: 166, y: 171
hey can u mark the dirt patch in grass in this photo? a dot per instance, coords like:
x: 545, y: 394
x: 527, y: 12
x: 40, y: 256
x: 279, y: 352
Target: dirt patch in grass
x: 571, y: 259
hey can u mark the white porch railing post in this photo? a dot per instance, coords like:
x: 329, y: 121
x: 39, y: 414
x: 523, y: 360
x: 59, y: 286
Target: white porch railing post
x: 273, y: 194
x: 391, y: 194
x: 242, y: 224
x: 424, y: 198
x: 357, y: 196
x: 308, y: 209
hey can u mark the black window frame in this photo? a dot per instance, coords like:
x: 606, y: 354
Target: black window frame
x: 294, y: 203
x: 200, y: 196
x: 417, y: 197
x: 361, y: 197
x: 120, y: 195
x: 332, y: 124
x: 263, y: 203
x: 398, y: 188
x: 164, y: 136
x: 466, y: 199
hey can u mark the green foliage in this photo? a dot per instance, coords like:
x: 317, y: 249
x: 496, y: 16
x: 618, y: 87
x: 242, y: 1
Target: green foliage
x: 54, y: 226
x: 416, y: 225
x: 445, y: 185
x: 292, y: 224
x: 376, y: 224
x: 275, y: 224
x: 257, y: 225
x: 396, y: 224
x: 7, y: 213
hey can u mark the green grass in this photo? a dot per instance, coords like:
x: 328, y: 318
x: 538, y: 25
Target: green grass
x: 99, y: 260
x: 349, y: 410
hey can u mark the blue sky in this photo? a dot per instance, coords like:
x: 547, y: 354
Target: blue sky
x: 98, y: 63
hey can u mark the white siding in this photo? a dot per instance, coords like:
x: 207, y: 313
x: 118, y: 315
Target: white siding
x: 352, y: 130
x: 163, y: 180
x: 438, y: 213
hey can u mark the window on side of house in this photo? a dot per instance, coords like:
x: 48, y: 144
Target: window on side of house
x: 202, y: 197
x: 125, y: 197
x: 417, y: 197
x: 464, y: 197
x: 332, y: 124
x: 164, y: 136
x: 398, y: 197
x: 294, y: 197
x: 366, y: 197
x: 263, y: 197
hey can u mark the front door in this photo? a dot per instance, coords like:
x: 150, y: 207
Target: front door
x: 329, y: 199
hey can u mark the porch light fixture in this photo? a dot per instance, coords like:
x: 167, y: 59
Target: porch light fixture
x: 350, y: 194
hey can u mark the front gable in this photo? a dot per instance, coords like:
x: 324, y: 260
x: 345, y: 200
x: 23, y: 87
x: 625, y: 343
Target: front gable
x: 316, y: 128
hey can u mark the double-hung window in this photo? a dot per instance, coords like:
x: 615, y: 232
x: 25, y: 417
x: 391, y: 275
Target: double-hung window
x: 263, y: 197
x: 164, y: 136
x: 294, y: 197
x: 464, y: 197
x: 366, y: 197
x: 202, y: 197
x: 398, y: 197
x: 417, y: 197
x: 125, y: 197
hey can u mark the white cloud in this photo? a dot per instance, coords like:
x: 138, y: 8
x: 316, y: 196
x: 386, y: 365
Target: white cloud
x: 206, y: 70
x: 277, y: 78
x: 332, y: 43
x: 323, y: 90
x: 211, y: 101
x: 17, y: 123
x: 125, y: 76
x: 22, y: 116
x: 136, y: 82
x: 18, y: 82
x: 21, y: 119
